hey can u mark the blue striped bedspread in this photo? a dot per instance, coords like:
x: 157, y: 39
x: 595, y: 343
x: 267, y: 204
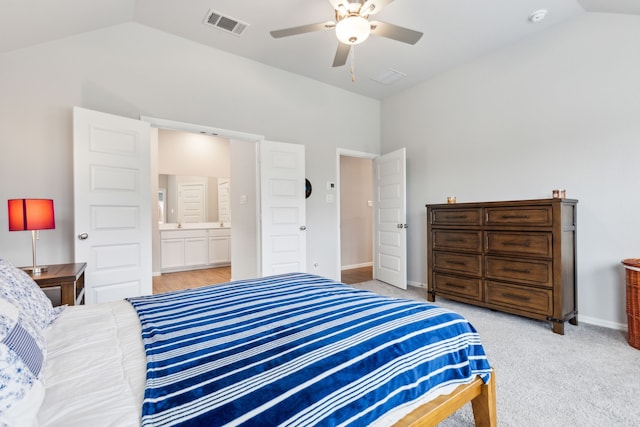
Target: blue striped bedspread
x: 296, y: 350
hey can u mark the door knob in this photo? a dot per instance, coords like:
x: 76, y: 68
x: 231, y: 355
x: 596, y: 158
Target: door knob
x: 83, y: 236
x: 303, y: 227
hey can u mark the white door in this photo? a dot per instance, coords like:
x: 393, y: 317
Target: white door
x: 284, y: 246
x: 112, y: 204
x: 191, y: 203
x: 390, y: 216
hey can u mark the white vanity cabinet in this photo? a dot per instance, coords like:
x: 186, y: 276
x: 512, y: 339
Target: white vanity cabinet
x: 172, y: 253
x: 183, y: 249
x: 220, y: 246
x: 190, y: 249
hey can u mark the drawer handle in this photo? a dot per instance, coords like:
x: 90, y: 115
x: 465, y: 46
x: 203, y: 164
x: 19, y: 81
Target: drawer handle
x: 515, y: 216
x: 457, y: 262
x: 457, y: 240
x: 455, y: 285
x: 525, y: 244
x: 456, y: 217
x: 518, y: 297
x: 516, y: 270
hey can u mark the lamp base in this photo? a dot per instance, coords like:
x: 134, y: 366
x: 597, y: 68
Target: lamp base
x: 34, y: 271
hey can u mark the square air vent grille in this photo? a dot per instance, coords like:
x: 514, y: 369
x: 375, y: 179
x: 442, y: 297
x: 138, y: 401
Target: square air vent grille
x: 389, y: 76
x: 225, y: 23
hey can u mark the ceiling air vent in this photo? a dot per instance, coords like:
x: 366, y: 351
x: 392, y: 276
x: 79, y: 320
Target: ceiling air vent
x: 225, y: 23
x: 389, y: 76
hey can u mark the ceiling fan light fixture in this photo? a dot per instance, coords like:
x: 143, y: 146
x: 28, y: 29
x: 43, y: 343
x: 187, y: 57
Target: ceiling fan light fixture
x: 353, y: 29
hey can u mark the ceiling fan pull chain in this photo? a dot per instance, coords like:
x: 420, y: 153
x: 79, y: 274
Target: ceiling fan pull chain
x: 352, y: 67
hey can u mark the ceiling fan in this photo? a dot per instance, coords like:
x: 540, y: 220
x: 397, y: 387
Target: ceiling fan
x: 352, y: 27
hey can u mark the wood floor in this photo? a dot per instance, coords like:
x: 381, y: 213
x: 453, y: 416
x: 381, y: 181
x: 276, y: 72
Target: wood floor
x: 357, y: 275
x: 190, y: 279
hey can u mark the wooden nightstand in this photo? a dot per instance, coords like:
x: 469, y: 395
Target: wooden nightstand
x: 70, y: 279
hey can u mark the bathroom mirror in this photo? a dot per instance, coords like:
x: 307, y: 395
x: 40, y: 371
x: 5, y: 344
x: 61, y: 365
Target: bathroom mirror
x: 193, y: 199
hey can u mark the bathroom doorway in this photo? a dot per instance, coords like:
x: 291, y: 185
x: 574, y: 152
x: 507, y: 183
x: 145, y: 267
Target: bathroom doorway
x: 193, y: 172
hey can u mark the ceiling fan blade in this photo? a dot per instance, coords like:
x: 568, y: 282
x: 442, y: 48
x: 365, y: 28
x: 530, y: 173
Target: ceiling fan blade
x: 302, y: 29
x: 340, y: 5
x: 371, y: 7
x: 341, y: 54
x: 395, y: 32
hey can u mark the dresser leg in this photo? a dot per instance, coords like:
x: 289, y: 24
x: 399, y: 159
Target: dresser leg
x: 431, y: 296
x: 558, y: 327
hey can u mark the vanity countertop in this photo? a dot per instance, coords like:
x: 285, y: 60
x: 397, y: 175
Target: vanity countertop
x: 193, y: 226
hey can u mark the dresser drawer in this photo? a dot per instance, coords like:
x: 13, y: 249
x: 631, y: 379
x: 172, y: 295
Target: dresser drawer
x: 461, y: 286
x: 458, y: 263
x: 457, y: 240
x: 529, y: 215
x: 533, y: 300
x: 456, y: 216
x: 536, y: 244
x: 525, y: 271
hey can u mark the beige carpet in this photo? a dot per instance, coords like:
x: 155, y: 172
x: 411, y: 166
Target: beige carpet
x: 588, y: 377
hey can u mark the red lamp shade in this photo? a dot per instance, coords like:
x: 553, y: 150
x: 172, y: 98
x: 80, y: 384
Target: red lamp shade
x: 31, y: 214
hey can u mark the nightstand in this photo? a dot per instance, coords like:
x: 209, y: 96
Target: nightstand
x: 70, y: 279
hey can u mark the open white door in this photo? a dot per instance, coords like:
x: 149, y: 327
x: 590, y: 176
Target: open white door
x: 112, y: 204
x: 390, y: 217
x: 284, y: 246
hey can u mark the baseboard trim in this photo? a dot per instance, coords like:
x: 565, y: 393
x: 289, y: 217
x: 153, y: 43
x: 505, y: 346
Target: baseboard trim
x: 352, y: 266
x: 604, y: 323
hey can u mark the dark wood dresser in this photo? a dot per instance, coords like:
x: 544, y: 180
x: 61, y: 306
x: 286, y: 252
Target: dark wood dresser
x: 518, y: 257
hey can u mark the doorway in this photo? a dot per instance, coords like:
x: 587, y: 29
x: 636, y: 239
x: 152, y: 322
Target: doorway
x: 356, y: 216
x: 387, y: 193
x: 195, y: 233
x: 248, y: 166
x: 242, y: 167
x: 135, y: 214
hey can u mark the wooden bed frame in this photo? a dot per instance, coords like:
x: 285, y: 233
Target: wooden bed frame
x: 482, y: 397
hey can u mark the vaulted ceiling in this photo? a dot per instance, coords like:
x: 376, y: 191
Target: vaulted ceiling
x: 454, y: 31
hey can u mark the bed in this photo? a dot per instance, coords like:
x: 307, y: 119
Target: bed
x: 294, y: 349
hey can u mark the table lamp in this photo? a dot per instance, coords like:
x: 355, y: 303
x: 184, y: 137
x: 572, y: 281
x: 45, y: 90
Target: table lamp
x: 34, y: 215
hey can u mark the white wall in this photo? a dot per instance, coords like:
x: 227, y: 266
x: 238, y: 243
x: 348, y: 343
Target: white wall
x: 245, y: 263
x: 132, y: 70
x: 186, y: 153
x: 560, y: 110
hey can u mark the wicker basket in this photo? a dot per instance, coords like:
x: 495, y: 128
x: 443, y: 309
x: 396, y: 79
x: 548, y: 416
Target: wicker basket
x: 632, y: 268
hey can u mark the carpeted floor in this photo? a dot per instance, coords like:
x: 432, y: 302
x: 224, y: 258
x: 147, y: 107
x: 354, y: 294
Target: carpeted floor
x: 588, y: 377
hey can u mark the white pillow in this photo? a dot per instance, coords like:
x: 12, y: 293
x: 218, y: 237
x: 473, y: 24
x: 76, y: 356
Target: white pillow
x: 18, y: 288
x: 22, y: 357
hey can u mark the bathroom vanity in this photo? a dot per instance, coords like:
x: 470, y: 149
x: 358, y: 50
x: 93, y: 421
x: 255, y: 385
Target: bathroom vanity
x: 193, y: 246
